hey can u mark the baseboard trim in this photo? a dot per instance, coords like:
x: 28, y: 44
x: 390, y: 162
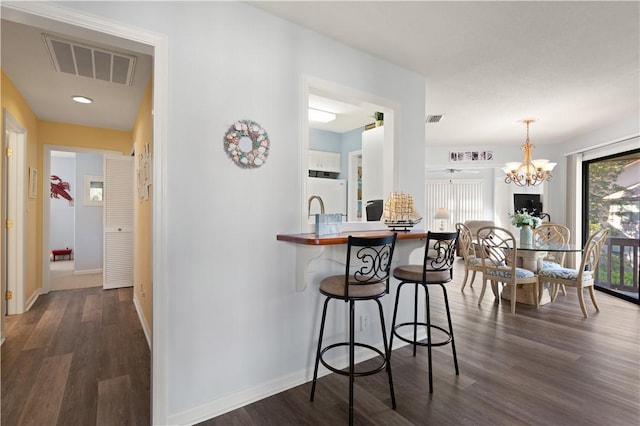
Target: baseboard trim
x: 32, y: 299
x: 87, y: 271
x: 237, y: 400
x: 143, y: 320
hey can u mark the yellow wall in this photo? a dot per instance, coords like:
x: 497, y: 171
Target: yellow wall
x: 143, y: 134
x: 14, y: 103
x: 72, y: 135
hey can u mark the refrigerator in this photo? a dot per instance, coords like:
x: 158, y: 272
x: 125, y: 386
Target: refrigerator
x: 333, y: 193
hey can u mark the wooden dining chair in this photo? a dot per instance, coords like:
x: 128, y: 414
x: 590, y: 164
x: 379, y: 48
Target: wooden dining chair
x: 550, y: 233
x: 472, y: 262
x: 582, y: 277
x: 499, y: 251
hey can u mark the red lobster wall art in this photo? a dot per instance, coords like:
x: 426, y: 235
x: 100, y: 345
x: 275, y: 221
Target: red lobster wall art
x: 60, y: 188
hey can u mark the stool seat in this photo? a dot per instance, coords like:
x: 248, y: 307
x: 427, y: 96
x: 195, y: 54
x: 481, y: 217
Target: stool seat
x: 334, y: 286
x: 415, y: 273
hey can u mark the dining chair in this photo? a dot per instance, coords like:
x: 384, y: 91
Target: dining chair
x: 549, y: 233
x: 499, y: 252
x: 436, y: 269
x: 472, y: 262
x: 583, y: 276
x: 366, y: 278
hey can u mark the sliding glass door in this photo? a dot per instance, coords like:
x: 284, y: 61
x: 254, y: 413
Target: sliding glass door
x: 611, y: 199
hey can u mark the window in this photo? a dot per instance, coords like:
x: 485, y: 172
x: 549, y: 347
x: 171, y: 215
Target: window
x: 93, y: 190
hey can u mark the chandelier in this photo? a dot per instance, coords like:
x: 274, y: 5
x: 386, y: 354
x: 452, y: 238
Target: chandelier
x: 529, y: 172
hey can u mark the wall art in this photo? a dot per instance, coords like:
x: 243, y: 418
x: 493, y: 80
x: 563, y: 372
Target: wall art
x: 470, y: 156
x: 247, y: 144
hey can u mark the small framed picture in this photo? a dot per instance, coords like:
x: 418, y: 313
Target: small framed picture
x: 470, y: 155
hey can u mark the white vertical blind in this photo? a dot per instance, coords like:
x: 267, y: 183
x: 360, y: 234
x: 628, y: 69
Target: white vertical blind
x: 463, y: 200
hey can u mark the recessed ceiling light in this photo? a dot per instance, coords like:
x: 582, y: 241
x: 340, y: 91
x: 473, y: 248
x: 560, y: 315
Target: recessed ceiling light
x: 321, y: 116
x: 82, y: 99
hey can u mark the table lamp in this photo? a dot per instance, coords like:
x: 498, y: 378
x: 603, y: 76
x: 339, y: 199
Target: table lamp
x: 442, y: 214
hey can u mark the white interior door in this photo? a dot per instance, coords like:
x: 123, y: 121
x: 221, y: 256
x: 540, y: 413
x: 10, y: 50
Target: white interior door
x: 118, y: 222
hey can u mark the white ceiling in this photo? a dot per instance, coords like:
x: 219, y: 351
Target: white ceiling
x: 573, y: 66
x: 28, y: 64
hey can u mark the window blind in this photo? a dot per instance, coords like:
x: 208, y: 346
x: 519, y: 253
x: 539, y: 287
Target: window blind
x: 463, y: 200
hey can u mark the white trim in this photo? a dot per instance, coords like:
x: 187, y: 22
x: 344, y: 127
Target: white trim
x: 611, y: 149
x: 15, y: 263
x: 46, y: 201
x: 605, y: 144
x: 33, y: 299
x: 87, y: 271
x: 160, y: 45
x: 143, y: 320
x: 391, y: 110
x: 212, y: 409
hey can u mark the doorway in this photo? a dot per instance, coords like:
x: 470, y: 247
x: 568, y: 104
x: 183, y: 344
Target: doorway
x: 611, y: 194
x: 14, y: 215
x: 58, y: 16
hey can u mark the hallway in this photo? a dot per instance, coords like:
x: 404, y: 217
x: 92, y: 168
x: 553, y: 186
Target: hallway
x: 78, y: 357
x: 62, y: 276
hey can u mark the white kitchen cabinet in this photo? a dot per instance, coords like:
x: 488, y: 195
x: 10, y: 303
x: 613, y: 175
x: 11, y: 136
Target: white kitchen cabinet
x: 324, y: 161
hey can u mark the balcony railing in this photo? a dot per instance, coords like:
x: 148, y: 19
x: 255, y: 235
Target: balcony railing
x: 618, y: 268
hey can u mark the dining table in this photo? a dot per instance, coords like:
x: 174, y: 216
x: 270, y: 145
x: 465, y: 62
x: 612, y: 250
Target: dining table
x: 531, y: 257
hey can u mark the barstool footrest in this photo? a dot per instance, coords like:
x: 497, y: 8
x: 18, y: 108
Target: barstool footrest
x: 420, y: 342
x: 355, y: 373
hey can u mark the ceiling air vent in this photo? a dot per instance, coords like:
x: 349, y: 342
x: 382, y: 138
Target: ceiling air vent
x: 434, y: 118
x: 91, y: 62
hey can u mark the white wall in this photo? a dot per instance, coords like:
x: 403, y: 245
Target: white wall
x: 89, y: 231
x: 237, y: 327
x: 61, y: 214
x: 557, y: 190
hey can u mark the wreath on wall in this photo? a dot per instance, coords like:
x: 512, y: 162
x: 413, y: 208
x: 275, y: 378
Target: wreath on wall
x: 247, y: 144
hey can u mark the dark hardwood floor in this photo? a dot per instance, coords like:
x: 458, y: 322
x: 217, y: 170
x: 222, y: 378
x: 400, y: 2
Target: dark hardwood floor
x: 548, y: 366
x: 78, y: 357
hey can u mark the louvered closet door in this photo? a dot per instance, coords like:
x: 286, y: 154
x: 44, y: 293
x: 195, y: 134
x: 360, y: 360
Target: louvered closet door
x: 118, y: 222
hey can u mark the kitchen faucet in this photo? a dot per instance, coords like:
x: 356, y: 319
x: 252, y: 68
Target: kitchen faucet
x: 316, y: 197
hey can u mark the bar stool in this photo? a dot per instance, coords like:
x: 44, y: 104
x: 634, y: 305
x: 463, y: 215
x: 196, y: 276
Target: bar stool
x: 436, y: 269
x: 366, y: 277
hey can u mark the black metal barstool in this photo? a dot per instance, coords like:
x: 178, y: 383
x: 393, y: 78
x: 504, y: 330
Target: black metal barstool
x: 366, y: 277
x: 436, y: 269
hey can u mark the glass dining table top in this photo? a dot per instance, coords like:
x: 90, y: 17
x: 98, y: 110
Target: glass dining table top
x: 553, y: 247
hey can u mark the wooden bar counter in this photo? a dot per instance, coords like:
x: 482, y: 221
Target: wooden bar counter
x: 333, y: 247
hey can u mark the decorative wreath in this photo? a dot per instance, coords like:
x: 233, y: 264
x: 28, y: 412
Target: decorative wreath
x: 247, y: 144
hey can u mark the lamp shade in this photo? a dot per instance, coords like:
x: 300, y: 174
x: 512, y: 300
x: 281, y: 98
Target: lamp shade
x: 441, y: 213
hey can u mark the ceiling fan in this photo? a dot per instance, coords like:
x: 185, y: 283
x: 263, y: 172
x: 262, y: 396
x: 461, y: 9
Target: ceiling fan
x: 452, y: 171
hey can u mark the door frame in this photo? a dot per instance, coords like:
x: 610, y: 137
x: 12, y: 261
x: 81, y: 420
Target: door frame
x: 46, y: 203
x: 31, y: 13
x: 13, y: 249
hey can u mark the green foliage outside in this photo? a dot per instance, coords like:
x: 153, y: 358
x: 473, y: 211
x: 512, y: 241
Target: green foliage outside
x: 602, y: 183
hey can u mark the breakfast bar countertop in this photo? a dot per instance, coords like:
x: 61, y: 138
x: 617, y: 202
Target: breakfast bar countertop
x: 332, y: 246
x: 312, y: 240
